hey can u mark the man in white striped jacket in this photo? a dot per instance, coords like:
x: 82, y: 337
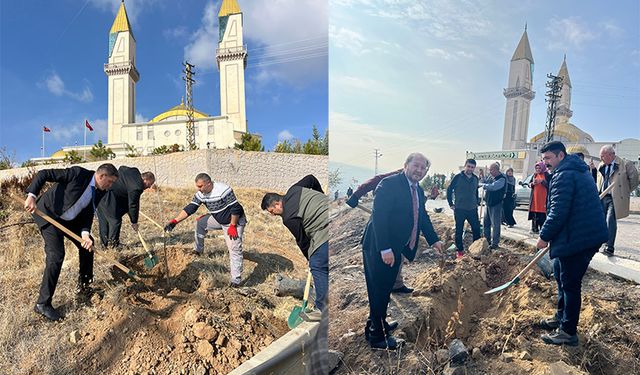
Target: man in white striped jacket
x: 224, y: 212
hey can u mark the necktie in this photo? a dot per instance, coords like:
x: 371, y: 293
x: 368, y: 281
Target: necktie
x: 93, y: 197
x: 414, y: 231
x: 605, y: 184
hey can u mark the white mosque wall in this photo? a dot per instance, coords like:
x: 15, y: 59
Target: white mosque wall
x: 245, y: 169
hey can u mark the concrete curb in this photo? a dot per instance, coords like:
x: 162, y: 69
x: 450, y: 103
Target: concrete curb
x: 619, y: 267
x: 287, y: 355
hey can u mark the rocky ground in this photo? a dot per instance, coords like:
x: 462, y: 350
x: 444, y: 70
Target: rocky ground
x: 498, y: 333
x: 189, y: 323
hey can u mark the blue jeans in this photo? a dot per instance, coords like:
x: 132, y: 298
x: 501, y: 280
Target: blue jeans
x: 491, y: 222
x: 568, y: 272
x: 319, y: 265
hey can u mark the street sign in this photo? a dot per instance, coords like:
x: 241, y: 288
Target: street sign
x: 497, y: 155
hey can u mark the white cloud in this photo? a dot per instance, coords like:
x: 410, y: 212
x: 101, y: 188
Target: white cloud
x: 56, y: 86
x: 348, y: 39
x: 99, y: 130
x: 141, y: 118
x: 201, y: 51
x: 178, y: 32
x: 287, y: 43
x: 443, y: 19
x: 611, y: 28
x: 569, y: 32
x: 133, y: 7
x: 359, y: 84
x: 285, y: 135
x: 434, y: 77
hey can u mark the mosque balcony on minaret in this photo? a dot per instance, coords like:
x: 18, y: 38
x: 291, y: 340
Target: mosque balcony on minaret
x: 516, y: 92
x: 564, y: 111
x: 121, y: 68
x: 231, y: 54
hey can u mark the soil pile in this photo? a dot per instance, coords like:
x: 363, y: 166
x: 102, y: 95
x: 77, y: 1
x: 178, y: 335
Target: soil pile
x: 189, y: 323
x: 500, y: 332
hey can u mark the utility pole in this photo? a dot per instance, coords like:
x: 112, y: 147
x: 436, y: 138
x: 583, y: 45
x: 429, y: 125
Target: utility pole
x: 377, y: 155
x: 553, y: 95
x: 191, y: 133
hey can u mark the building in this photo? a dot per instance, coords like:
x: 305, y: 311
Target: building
x: 125, y: 136
x: 521, y: 153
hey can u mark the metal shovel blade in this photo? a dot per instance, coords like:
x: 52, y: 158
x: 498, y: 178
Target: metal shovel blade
x: 294, y: 317
x: 516, y: 280
x: 150, y: 261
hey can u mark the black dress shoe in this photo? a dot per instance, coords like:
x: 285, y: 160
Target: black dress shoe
x: 388, y: 342
x: 47, y: 311
x: 388, y: 328
x: 402, y: 290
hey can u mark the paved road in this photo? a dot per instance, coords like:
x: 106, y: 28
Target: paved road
x: 627, y: 241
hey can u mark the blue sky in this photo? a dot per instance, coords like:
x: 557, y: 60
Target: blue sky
x: 408, y: 75
x: 52, y: 55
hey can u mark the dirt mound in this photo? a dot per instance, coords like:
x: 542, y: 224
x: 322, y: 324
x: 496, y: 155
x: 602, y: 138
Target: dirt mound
x: 500, y: 331
x: 191, y: 322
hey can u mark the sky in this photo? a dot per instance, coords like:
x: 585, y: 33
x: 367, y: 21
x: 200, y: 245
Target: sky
x: 52, y: 55
x: 407, y: 75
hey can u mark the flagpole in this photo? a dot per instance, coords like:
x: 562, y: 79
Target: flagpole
x: 42, y: 149
x: 84, y: 150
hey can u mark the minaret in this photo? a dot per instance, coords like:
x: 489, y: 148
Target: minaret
x: 519, y: 96
x: 122, y: 75
x: 564, y: 112
x: 231, y: 57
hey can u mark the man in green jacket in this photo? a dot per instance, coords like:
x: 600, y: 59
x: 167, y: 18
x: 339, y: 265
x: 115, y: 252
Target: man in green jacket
x: 305, y: 212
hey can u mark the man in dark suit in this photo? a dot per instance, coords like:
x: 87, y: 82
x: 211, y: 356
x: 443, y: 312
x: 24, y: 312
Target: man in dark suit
x: 392, y: 232
x: 122, y: 198
x: 71, y: 201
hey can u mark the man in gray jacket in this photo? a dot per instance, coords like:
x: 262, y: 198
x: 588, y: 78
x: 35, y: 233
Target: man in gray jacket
x: 462, y: 195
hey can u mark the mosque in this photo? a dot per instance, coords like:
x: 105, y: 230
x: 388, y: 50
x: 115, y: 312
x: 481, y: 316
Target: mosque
x: 520, y: 152
x: 125, y: 136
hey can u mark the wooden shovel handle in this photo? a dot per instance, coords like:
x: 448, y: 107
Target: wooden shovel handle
x: 365, y: 209
x: 79, y: 239
x: 151, y: 220
x: 307, y: 287
x: 144, y: 244
x: 542, y: 252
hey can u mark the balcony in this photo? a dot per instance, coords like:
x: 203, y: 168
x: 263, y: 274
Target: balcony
x: 122, y: 68
x: 516, y: 92
x: 231, y: 53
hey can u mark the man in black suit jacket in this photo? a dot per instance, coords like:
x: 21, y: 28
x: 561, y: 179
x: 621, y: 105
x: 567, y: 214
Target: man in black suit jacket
x: 71, y: 201
x: 398, y: 216
x: 122, y: 198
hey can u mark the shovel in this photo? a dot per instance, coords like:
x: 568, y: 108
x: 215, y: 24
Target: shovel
x: 74, y: 236
x: 539, y: 255
x: 151, y: 260
x: 294, y: 317
x: 516, y: 279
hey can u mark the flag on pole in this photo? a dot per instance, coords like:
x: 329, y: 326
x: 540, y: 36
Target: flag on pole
x: 45, y: 129
x: 86, y: 123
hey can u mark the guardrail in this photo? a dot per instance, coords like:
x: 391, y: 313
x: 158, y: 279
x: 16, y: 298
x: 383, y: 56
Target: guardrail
x: 290, y: 354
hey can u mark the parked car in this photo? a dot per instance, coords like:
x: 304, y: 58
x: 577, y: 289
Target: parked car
x: 523, y: 191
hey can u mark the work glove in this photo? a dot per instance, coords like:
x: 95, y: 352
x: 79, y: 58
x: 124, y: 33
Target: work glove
x: 352, y: 201
x: 232, y: 232
x: 169, y: 227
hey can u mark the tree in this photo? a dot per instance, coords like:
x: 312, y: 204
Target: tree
x: 27, y: 164
x: 164, y: 149
x: 72, y: 157
x: 335, y: 178
x: 249, y: 142
x: 7, y: 161
x: 316, y: 145
x: 132, y: 152
x: 101, y: 152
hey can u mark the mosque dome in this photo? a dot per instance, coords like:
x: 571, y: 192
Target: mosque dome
x: 568, y: 133
x: 179, y: 111
x: 59, y: 154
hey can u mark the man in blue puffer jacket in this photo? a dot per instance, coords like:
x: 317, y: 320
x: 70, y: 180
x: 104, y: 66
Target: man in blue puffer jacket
x: 575, y: 229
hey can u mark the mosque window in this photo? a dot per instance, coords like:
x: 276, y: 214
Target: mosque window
x: 167, y: 133
x: 150, y: 135
x: 210, y: 129
x: 139, y: 133
x: 178, y: 132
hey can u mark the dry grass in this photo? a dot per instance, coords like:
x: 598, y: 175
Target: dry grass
x: 28, y: 344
